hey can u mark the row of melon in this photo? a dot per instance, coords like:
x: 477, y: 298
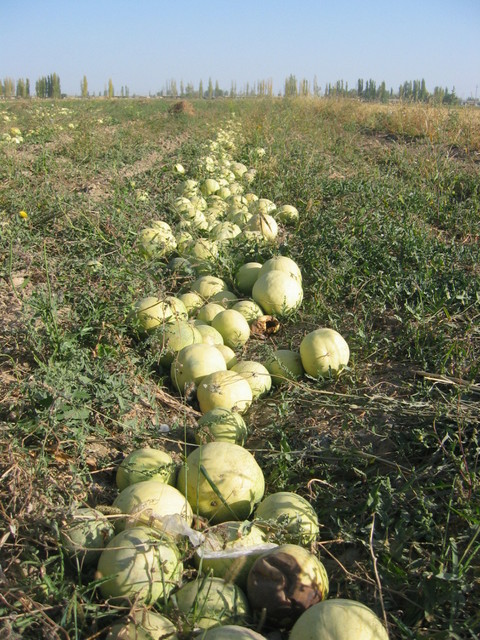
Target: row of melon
x: 275, y: 285
x: 220, y: 482
x: 246, y: 568
x: 212, y: 210
x: 200, y: 352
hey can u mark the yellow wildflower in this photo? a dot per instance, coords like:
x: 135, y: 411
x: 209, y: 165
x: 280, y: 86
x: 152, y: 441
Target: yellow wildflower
x: 23, y: 214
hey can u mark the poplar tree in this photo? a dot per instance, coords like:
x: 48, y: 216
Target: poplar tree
x: 8, y: 87
x: 111, y: 91
x: 304, y: 87
x: 40, y: 88
x: 290, y: 86
x: 382, y: 94
x: 423, y: 91
x: 54, y: 90
x: 200, y: 89
x: 84, y: 87
x: 20, y: 93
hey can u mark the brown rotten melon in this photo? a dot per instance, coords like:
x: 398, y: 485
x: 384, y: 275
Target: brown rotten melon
x: 286, y: 581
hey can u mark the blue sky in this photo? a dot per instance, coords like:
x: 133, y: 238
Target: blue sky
x: 143, y: 44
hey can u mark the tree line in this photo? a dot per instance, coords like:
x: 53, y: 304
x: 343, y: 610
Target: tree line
x: 45, y: 87
x: 368, y: 90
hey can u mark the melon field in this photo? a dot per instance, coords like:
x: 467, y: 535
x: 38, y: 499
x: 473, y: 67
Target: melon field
x: 381, y: 448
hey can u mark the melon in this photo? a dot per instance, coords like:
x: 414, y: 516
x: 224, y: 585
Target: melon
x: 143, y: 464
x: 138, y: 565
x: 257, y: 376
x: 324, y: 351
x: 284, y: 582
x: 225, y: 389
x: 221, y: 425
x: 85, y: 534
x: 211, y: 602
x: 278, y: 293
x: 229, y: 550
x: 222, y: 481
x: 195, y: 362
x: 284, y: 365
x: 338, y: 619
x: 289, y: 516
x: 151, y: 503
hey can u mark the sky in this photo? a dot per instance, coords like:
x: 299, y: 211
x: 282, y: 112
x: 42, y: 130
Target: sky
x: 143, y: 44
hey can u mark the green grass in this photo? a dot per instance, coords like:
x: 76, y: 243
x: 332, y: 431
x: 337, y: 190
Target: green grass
x: 388, y: 243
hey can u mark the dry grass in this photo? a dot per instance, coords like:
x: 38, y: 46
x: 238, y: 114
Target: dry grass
x: 183, y: 107
x: 457, y: 127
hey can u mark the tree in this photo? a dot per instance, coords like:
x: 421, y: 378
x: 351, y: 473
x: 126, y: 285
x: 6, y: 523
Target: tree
x: 304, y: 87
x: 360, y: 87
x: 48, y: 87
x: 261, y: 88
x: 406, y: 90
x: 415, y: 90
x: 8, y: 88
x: 450, y: 97
x: 382, y: 93
x: 370, y: 92
x: 20, y: 93
x: 40, y: 88
x: 111, y: 90
x: 200, y: 89
x: 53, y: 86
x: 84, y: 87
x: 290, y: 86
x: 210, y: 88
x: 423, y: 91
